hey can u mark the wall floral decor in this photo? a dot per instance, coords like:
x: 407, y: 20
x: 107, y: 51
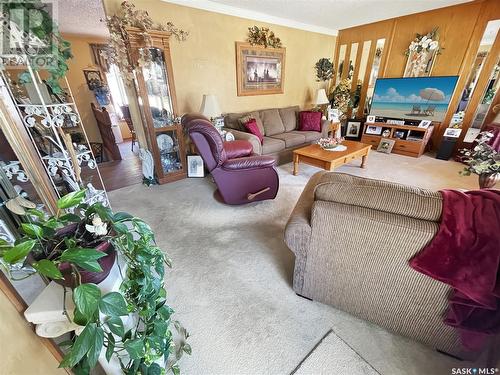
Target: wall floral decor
x: 129, y: 16
x: 422, y: 53
x: 263, y: 36
x: 324, y: 69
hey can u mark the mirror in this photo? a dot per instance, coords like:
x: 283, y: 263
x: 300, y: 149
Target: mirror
x: 340, y: 62
x: 487, y: 97
x: 365, y: 52
x: 352, y: 60
x: 485, y: 45
x: 377, y: 59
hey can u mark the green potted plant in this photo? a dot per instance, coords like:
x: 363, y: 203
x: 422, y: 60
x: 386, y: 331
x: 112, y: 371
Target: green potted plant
x: 79, y: 246
x: 482, y: 160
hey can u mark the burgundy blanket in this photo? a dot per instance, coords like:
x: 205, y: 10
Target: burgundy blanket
x: 465, y: 254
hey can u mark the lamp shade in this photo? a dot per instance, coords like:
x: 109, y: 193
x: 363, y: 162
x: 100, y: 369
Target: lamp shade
x: 321, y: 97
x: 210, y: 107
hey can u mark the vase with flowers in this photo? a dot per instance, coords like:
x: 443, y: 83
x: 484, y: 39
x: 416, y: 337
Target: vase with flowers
x: 341, y: 97
x: 330, y: 144
x: 482, y: 160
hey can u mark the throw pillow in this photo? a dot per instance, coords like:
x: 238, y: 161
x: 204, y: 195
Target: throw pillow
x: 310, y: 121
x: 243, y: 120
x: 252, y: 127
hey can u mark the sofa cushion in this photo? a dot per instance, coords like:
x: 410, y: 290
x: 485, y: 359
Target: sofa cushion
x: 231, y: 121
x: 256, y: 116
x: 272, y: 122
x: 291, y: 139
x: 289, y: 117
x: 252, y: 127
x: 272, y: 145
x: 310, y: 120
x: 310, y: 136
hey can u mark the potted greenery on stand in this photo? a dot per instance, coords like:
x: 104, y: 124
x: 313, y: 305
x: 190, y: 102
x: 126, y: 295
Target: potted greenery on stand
x: 77, y: 249
x: 482, y: 160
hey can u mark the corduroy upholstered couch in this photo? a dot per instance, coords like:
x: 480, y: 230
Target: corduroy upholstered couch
x: 352, y: 238
x: 280, y: 129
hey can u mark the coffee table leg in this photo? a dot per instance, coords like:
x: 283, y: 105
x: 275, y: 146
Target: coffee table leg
x: 295, y: 164
x: 363, y: 160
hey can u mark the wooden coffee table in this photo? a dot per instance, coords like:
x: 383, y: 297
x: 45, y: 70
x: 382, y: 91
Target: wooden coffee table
x: 315, y: 155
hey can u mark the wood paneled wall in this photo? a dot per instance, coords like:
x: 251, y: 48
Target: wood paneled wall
x: 460, y: 30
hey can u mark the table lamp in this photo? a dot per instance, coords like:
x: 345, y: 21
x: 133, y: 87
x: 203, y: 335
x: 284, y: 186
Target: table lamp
x: 322, y: 100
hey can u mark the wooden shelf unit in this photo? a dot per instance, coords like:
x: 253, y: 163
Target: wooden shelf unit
x: 414, y: 148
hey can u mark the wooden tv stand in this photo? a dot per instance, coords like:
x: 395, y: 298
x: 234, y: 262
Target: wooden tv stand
x: 409, y: 147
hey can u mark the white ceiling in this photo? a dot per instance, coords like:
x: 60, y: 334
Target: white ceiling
x: 323, y: 16
x: 80, y: 17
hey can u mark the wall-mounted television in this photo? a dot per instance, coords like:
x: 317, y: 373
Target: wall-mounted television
x: 422, y: 98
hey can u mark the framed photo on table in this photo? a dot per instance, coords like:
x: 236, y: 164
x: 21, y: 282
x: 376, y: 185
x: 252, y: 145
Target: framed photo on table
x: 353, y: 129
x: 373, y: 130
x: 386, y: 145
x: 259, y: 70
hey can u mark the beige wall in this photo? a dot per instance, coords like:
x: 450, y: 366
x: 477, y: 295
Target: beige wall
x: 206, y: 62
x: 22, y: 351
x: 83, y: 96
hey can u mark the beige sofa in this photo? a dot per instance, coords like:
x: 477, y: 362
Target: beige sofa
x: 352, y: 238
x: 279, y: 127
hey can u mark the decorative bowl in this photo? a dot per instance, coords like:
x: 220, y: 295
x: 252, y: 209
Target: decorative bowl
x: 330, y: 143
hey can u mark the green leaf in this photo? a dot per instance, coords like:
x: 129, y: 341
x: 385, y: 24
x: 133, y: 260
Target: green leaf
x: 187, y: 349
x: 113, y: 304
x: 111, y: 346
x: 134, y: 348
x: 115, y: 325
x: 70, y: 217
x: 34, y: 212
x: 120, y: 228
x: 176, y: 370
x: 96, y: 347
x: 72, y: 199
x: 121, y: 216
x: 91, y: 265
x: 19, y: 251
x: 80, y: 254
x: 154, y: 369
x: 86, y: 298
x: 48, y: 268
x: 32, y: 230
x: 79, y: 318
x: 81, y: 346
x: 5, y: 244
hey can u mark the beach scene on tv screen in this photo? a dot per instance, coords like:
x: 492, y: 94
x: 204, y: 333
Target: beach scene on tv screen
x: 413, y: 98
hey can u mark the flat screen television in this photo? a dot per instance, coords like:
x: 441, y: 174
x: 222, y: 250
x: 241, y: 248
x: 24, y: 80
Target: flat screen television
x: 422, y: 98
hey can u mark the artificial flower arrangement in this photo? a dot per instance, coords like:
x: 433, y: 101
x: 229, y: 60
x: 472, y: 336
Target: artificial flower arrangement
x: 341, y: 97
x: 330, y: 143
x: 427, y: 42
x: 482, y: 159
x: 263, y: 36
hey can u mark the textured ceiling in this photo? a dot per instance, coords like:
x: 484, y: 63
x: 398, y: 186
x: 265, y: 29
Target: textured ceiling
x: 327, y: 16
x: 80, y: 17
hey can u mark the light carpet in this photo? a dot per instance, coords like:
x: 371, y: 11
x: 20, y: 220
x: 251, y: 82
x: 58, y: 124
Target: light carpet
x: 232, y: 275
x: 332, y: 355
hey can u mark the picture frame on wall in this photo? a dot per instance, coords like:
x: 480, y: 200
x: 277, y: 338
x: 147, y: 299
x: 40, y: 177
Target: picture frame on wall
x: 93, y: 78
x: 386, y: 145
x: 259, y: 70
x: 353, y: 129
x: 373, y: 130
x: 195, y: 166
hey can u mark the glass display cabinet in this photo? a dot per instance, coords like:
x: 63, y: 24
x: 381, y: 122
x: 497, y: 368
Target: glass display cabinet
x: 156, y: 90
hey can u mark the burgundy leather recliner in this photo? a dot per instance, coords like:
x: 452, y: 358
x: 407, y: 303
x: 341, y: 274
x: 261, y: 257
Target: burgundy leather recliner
x: 241, y: 176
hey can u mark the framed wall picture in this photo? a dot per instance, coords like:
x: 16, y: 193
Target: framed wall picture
x: 353, y: 129
x: 386, y: 145
x: 259, y: 70
x: 93, y: 78
x: 195, y: 166
x: 373, y: 130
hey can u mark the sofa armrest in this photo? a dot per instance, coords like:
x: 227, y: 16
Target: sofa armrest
x: 253, y: 139
x: 325, y: 127
x: 249, y: 162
